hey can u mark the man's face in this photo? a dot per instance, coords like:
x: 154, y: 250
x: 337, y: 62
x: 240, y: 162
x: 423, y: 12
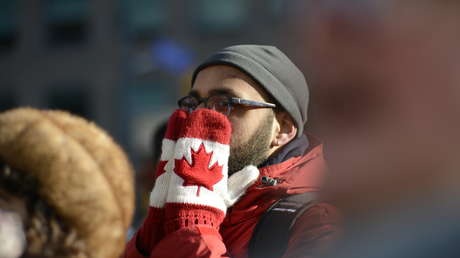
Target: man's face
x: 252, y: 128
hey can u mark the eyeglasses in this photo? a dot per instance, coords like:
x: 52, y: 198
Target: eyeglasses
x: 220, y: 103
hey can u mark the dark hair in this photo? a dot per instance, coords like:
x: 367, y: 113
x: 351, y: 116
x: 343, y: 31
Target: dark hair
x: 46, y: 233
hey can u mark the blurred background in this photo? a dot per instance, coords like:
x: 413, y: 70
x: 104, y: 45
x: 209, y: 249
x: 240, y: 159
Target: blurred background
x: 384, y: 77
x: 123, y: 63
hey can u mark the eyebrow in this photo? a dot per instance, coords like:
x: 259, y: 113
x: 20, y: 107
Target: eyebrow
x: 214, y: 92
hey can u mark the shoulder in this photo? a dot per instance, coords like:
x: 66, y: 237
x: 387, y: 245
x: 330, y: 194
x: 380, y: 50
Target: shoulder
x: 319, y: 216
x: 315, y: 230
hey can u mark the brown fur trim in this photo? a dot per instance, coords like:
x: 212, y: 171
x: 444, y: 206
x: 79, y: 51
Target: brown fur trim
x: 82, y: 173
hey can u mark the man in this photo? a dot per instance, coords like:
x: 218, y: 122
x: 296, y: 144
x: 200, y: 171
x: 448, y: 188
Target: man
x: 251, y: 100
x: 66, y: 189
x: 389, y: 110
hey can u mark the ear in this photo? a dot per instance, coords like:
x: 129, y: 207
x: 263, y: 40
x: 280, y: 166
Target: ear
x: 286, y: 130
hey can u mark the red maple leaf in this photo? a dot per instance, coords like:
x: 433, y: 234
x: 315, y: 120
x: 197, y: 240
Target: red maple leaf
x: 198, y: 173
x: 161, y: 168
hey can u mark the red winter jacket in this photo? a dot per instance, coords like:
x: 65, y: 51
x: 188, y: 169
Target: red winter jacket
x: 312, y: 232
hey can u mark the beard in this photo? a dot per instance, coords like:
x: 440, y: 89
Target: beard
x: 253, y: 152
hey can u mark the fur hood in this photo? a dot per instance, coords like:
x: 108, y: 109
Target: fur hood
x: 82, y: 173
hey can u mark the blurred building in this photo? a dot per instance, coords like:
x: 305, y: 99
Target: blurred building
x: 120, y: 63
x: 115, y: 61
x: 62, y: 54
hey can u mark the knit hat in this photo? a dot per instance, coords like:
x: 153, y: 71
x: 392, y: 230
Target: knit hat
x: 273, y: 70
x: 82, y: 173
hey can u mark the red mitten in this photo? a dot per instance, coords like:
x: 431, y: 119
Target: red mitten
x: 199, y: 189
x: 152, y: 231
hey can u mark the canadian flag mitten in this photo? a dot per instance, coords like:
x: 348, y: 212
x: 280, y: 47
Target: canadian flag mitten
x: 152, y: 230
x: 200, y: 190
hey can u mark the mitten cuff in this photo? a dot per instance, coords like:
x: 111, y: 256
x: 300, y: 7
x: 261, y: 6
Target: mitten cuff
x: 188, y: 215
x: 151, y: 231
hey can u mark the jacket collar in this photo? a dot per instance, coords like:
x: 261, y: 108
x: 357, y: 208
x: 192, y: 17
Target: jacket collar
x: 294, y: 148
x: 299, y: 174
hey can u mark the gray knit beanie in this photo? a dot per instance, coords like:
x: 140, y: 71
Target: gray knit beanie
x: 273, y: 70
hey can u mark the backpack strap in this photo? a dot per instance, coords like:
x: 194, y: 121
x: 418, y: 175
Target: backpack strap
x: 271, y: 235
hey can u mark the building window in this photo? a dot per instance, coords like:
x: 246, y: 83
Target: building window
x: 153, y: 93
x: 144, y: 18
x: 67, y: 21
x: 8, y: 25
x: 219, y: 16
x: 74, y: 100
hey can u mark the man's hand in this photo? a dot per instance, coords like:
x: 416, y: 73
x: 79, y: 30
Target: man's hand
x: 152, y: 230
x: 166, y: 163
x: 199, y: 190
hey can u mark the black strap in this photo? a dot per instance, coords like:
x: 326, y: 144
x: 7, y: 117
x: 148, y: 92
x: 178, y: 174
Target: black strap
x: 271, y: 235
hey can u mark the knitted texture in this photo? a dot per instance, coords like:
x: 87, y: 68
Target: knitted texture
x: 198, y: 192
x: 152, y: 231
x: 165, y: 165
x: 180, y: 215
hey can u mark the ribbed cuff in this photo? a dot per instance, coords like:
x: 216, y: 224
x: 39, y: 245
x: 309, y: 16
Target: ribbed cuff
x: 151, y: 231
x: 180, y: 215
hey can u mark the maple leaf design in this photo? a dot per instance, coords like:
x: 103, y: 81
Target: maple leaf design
x: 161, y: 168
x: 199, y: 173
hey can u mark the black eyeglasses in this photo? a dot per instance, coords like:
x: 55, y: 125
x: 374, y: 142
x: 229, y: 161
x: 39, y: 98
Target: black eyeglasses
x: 220, y: 103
